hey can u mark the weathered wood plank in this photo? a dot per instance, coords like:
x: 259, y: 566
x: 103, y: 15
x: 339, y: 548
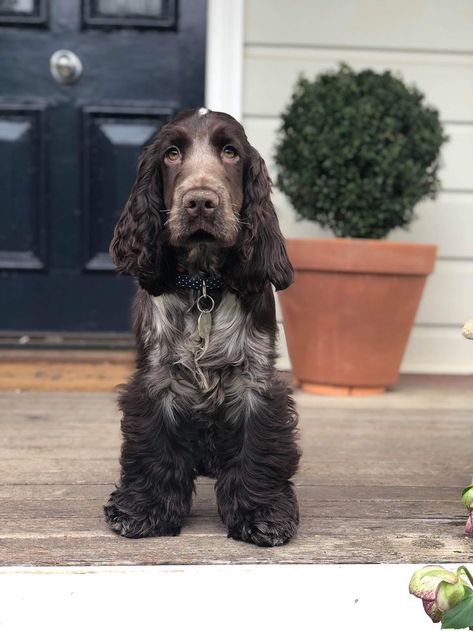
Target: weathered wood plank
x: 330, y: 432
x: 45, y: 492
x: 330, y: 541
x: 105, y: 418
x: 29, y: 515
x: 207, y: 524
x: 402, y: 442
x: 67, y: 518
x: 408, y: 394
x: 342, y: 472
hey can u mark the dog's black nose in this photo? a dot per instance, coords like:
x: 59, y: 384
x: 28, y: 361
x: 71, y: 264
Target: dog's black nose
x: 200, y: 202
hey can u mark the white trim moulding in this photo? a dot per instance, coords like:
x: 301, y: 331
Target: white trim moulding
x: 224, y: 58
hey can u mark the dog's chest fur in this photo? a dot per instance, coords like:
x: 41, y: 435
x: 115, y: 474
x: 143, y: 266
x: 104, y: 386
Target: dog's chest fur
x: 237, y: 361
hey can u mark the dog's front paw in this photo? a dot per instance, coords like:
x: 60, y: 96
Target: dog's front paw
x: 267, y: 526
x: 131, y: 518
x: 264, y: 532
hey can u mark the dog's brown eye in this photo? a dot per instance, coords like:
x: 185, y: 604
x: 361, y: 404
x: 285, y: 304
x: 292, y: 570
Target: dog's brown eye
x: 230, y: 152
x: 172, y: 154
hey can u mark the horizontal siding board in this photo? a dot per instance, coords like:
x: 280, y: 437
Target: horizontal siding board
x: 447, y: 297
x: 431, y: 73
x: 440, y: 350
x: 457, y: 156
x: 409, y: 24
x: 434, y: 350
x: 446, y: 221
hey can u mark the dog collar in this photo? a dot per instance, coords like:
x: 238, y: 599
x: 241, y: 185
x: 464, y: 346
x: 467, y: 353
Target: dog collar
x: 184, y: 280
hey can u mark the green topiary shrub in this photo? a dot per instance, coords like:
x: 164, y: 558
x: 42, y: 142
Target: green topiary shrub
x: 357, y: 151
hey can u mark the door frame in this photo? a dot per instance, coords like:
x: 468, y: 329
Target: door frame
x: 224, y: 56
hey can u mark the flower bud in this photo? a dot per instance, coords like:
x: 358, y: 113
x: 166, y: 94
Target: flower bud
x: 449, y: 595
x: 426, y: 584
x: 467, y: 497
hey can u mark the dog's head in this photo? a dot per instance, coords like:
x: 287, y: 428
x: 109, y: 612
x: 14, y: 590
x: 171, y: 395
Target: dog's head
x: 203, y: 194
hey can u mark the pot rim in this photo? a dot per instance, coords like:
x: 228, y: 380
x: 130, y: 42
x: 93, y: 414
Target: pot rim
x: 373, y: 256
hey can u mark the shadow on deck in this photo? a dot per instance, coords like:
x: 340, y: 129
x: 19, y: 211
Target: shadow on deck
x: 380, y: 481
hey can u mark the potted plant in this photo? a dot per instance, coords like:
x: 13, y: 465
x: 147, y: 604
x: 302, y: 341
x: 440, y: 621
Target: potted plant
x: 356, y: 152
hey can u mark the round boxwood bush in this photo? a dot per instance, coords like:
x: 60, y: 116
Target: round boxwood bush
x: 357, y: 151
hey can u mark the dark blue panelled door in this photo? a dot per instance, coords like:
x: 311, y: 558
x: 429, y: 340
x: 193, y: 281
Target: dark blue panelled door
x: 83, y: 87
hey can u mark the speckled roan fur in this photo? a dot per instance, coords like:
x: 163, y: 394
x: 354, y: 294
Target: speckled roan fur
x: 228, y: 414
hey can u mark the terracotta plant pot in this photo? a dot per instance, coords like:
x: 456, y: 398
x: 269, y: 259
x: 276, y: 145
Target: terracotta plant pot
x: 348, y: 315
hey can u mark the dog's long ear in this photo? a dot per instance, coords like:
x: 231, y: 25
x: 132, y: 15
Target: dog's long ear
x: 262, y: 256
x: 137, y: 247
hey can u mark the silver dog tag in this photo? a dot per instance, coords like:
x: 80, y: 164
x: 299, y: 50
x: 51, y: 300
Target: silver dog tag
x: 204, y: 324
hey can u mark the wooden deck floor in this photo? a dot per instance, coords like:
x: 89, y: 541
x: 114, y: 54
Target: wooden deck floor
x: 380, y: 480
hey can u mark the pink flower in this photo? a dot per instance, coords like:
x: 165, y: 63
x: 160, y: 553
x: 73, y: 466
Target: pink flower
x: 438, y: 588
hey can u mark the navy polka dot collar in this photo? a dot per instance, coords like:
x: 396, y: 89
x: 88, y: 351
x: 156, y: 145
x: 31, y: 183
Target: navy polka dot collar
x: 185, y: 281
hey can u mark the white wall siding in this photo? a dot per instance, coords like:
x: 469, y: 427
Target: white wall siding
x: 447, y: 79
x: 429, y: 45
x: 399, y: 24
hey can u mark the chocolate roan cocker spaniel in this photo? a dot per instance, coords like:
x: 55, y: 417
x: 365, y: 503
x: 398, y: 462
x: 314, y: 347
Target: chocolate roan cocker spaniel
x: 200, y: 234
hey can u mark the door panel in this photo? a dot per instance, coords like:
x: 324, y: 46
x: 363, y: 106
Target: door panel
x: 22, y: 173
x: 128, y: 13
x: 113, y: 140
x: 68, y: 151
x: 19, y: 12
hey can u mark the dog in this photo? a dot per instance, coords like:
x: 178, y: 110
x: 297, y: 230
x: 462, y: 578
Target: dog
x: 200, y: 235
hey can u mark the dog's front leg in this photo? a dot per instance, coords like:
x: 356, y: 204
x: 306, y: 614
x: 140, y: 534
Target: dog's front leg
x: 258, y: 455
x: 157, y: 466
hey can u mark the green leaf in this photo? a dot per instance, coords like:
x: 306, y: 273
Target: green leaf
x: 460, y: 616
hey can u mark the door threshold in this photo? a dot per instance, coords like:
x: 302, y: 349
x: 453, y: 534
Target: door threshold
x: 65, y: 367
x: 65, y: 340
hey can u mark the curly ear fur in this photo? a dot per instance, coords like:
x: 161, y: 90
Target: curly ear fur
x: 262, y: 256
x: 137, y: 248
